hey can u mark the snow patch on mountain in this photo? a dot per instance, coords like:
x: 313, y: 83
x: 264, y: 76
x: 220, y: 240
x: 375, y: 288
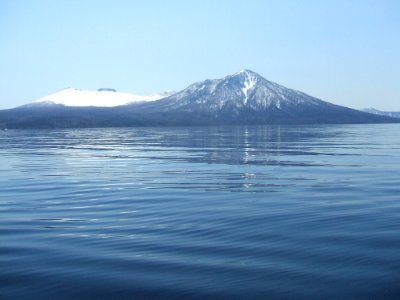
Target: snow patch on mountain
x: 249, y: 83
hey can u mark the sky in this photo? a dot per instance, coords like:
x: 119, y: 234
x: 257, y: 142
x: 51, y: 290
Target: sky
x: 345, y: 52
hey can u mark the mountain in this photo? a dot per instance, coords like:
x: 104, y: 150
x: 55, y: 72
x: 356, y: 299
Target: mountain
x: 243, y: 98
x: 103, y: 97
x: 243, y: 90
x: 248, y: 98
x: 382, y: 113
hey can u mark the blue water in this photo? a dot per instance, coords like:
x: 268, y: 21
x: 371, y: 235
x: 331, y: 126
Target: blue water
x: 279, y: 212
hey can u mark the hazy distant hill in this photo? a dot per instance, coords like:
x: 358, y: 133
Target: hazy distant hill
x: 382, y: 113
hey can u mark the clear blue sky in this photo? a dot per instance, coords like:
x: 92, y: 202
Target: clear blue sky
x: 346, y: 52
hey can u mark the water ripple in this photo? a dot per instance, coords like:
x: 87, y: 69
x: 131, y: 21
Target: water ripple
x: 257, y: 212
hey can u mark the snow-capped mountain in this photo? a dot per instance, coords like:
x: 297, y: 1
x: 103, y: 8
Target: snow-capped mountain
x: 103, y: 97
x: 244, y: 98
x: 374, y: 111
x: 244, y: 89
x: 247, y: 98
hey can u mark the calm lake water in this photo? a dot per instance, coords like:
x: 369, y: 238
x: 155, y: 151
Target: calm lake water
x: 264, y: 212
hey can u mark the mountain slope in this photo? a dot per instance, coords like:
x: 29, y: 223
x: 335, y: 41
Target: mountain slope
x: 243, y: 98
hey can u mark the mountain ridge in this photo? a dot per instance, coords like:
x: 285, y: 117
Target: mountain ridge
x: 243, y: 98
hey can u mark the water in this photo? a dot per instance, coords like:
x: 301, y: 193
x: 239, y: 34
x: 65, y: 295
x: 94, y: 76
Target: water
x: 283, y: 212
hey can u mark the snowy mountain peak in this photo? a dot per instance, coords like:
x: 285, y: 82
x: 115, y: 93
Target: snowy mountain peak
x: 247, y: 72
x: 242, y: 90
x: 103, y: 97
